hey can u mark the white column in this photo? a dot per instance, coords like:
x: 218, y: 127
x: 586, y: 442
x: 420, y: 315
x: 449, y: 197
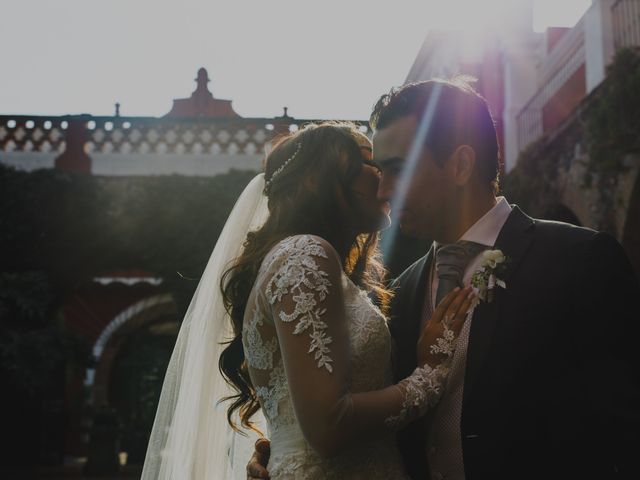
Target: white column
x: 520, y: 84
x: 599, y: 48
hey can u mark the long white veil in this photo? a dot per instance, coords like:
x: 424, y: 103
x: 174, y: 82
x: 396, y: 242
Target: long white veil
x: 191, y: 438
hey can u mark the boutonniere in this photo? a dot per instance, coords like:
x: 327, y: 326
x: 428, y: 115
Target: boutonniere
x: 489, y: 275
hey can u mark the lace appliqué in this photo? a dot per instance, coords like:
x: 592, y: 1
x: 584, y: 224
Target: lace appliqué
x: 422, y: 389
x: 374, y: 461
x: 301, y: 270
x: 445, y: 344
x: 369, y: 340
x: 259, y: 354
x: 272, y: 395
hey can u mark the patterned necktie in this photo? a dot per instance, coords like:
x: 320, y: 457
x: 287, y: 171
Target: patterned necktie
x: 451, y: 261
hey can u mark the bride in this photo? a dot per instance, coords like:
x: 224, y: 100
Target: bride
x: 309, y: 344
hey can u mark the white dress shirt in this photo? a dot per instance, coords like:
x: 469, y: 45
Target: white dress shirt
x: 444, y: 441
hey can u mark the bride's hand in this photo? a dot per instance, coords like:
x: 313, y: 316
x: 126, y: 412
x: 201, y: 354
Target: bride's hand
x: 447, y: 321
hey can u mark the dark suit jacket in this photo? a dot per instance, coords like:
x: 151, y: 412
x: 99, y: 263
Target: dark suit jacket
x: 552, y: 380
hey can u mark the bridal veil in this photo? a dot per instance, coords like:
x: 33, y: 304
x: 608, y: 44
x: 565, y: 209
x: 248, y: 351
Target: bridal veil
x: 191, y: 438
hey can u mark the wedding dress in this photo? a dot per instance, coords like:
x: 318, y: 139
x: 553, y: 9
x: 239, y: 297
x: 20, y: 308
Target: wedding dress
x: 300, y: 283
x: 310, y: 332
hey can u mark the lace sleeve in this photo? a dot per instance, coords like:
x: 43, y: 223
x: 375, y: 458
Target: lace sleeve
x: 300, y: 277
x: 304, y: 291
x: 421, y: 390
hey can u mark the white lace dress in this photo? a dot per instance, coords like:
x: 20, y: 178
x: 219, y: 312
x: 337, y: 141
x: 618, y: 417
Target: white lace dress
x: 319, y: 356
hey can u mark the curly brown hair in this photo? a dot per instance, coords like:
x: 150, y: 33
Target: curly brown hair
x: 296, y: 208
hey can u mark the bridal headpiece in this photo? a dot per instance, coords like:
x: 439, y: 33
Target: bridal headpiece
x: 281, y: 168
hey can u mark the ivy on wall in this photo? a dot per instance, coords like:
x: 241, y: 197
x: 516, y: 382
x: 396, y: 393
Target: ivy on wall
x: 613, y: 118
x: 609, y: 126
x: 531, y: 184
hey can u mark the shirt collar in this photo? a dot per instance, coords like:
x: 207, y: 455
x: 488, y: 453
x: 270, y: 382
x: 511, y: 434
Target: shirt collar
x: 486, y: 230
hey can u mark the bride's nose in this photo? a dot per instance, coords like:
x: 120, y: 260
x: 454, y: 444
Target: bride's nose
x: 386, y: 187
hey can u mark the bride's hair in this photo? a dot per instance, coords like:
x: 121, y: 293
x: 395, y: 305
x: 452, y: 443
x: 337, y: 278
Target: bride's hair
x: 302, y: 199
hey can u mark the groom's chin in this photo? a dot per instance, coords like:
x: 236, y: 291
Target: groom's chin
x: 407, y: 230
x: 407, y: 226
x: 411, y: 229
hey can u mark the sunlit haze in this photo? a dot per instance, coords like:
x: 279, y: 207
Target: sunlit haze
x: 329, y: 59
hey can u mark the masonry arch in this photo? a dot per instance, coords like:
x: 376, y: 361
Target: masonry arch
x: 130, y: 360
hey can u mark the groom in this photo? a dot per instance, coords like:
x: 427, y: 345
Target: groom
x: 544, y: 382
x: 545, y: 378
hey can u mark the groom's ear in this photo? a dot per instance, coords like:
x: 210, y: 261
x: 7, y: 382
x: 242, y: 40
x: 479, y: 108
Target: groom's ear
x: 464, y: 162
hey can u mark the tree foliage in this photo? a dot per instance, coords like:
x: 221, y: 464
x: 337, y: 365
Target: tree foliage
x: 59, y: 230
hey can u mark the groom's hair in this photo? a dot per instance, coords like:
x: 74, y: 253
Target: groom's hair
x: 459, y: 116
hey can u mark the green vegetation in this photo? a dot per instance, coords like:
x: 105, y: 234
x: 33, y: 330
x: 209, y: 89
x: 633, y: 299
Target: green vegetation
x: 612, y: 122
x: 608, y: 128
x: 59, y: 230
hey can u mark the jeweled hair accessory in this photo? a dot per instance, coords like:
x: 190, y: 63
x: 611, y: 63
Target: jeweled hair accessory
x: 281, y: 168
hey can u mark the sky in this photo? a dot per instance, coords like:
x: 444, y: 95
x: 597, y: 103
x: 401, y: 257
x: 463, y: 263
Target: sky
x: 321, y: 59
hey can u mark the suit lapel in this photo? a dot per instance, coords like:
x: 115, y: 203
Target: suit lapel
x: 514, y: 240
x: 412, y: 298
x: 417, y: 298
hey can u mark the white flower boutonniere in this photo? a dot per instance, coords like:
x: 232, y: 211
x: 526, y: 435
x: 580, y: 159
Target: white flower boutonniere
x: 490, y: 274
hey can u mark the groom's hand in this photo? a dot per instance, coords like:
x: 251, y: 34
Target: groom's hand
x: 257, y: 466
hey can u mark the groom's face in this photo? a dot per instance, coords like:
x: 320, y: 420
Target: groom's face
x: 417, y: 188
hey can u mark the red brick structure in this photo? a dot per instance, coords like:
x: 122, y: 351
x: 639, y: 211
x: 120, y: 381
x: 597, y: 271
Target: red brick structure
x: 202, y: 104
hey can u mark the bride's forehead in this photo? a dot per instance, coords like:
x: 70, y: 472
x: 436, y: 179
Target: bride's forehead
x: 367, y: 152
x: 363, y: 140
x: 365, y: 146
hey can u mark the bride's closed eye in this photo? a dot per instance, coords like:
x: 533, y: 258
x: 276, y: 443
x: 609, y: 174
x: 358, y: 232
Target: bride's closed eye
x: 374, y: 165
